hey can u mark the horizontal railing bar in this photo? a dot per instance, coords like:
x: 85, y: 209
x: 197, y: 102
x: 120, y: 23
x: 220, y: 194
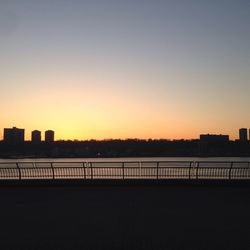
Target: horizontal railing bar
x: 228, y: 162
x: 95, y: 162
x: 127, y: 162
x: 127, y: 167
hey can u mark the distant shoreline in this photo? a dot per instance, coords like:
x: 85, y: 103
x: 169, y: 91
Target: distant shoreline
x: 125, y: 148
x: 133, y: 157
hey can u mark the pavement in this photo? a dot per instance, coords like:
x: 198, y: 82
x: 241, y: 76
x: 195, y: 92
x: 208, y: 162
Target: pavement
x: 125, y: 217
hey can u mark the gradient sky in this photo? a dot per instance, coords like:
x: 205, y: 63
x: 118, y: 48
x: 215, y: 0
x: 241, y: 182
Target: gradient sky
x: 125, y: 69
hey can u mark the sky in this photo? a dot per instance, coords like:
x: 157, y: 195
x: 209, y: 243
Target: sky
x: 101, y: 69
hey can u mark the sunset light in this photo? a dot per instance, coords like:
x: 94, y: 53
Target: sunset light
x: 162, y: 75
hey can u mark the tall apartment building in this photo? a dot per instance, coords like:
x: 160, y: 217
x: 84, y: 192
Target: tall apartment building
x: 36, y: 136
x: 49, y: 136
x: 243, y: 134
x: 13, y: 135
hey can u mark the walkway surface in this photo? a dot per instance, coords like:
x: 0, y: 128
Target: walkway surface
x: 125, y: 217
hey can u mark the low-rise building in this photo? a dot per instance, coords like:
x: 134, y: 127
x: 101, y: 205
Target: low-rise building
x: 214, y: 138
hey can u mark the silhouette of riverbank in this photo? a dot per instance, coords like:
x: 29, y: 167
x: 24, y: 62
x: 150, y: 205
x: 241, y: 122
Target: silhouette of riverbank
x: 125, y: 148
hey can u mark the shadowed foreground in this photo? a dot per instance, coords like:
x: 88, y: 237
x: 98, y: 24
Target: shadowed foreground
x: 125, y: 217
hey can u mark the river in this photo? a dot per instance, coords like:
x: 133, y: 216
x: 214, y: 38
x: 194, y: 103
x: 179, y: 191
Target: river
x: 129, y: 159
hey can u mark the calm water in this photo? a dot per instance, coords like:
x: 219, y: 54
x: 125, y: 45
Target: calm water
x: 136, y: 159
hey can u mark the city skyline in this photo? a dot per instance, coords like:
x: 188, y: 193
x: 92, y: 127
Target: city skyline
x: 105, y: 69
x: 36, y: 136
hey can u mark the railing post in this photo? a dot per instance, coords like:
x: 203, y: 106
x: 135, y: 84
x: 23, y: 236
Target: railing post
x: 248, y: 165
x: 140, y: 167
x: 84, y: 169
x: 91, y: 169
x: 19, y: 172
x: 34, y: 167
x: 123, y: 170
x: 157, y: 170
x: 53, y: 172
x: 230, y: 170
x: 189, y: 171
x: 197, y: 170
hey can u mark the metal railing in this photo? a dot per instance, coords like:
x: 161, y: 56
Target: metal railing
x: 126, y: 170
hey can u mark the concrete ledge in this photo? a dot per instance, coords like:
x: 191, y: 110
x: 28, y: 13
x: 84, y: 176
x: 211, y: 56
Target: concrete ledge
x: 132, y: 182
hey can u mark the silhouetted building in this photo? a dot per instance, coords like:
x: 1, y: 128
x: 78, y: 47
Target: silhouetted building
x: 13, y: 135
x: 214, y: 138
x: 49, y: 136
x: 36, y: 136
x: 243, y: 134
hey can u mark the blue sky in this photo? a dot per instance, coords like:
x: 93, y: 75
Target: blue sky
x: 181, y: 67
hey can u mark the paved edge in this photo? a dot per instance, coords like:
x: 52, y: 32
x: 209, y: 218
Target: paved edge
x: 132, y: 182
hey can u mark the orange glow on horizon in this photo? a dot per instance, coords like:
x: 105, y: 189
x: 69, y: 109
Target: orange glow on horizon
x: 76, y: 112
